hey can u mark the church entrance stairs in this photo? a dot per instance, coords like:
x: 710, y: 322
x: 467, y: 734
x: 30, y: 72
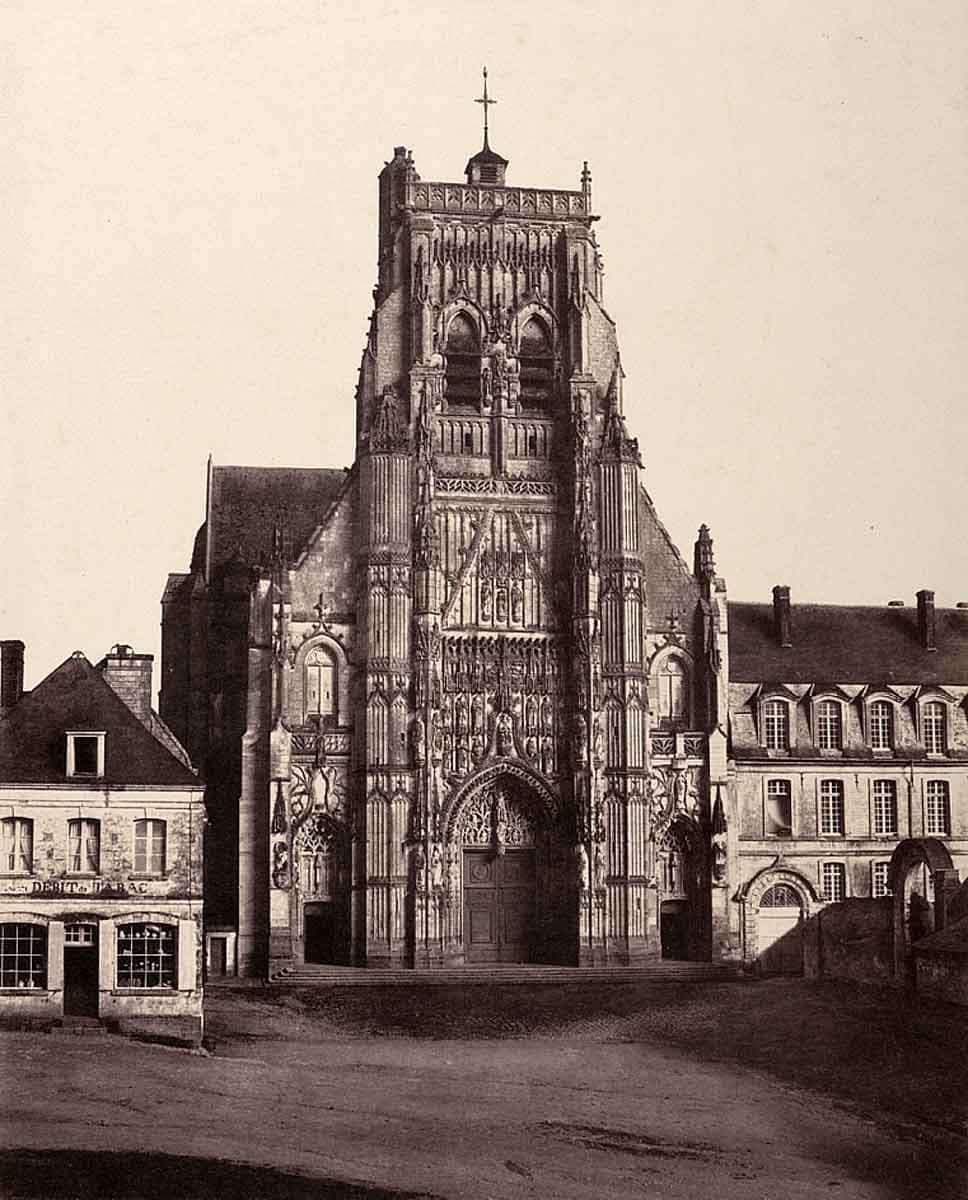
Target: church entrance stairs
x: 318, y: 975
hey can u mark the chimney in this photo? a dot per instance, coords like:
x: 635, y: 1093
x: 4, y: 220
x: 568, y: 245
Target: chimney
x: 11, y: 672
x: 926, y: 623
x: 781, y: 615
x: 129, y: 675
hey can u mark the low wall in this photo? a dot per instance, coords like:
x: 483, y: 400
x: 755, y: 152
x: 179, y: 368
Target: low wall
x: 853, y: 939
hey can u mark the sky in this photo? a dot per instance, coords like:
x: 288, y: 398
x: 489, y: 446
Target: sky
x: 188, y: 217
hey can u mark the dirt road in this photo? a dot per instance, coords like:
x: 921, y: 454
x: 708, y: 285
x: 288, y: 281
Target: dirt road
x: 279, y: 1113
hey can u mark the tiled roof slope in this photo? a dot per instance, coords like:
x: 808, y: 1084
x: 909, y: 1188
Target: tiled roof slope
x: 249, y: 502
x: 835, y: 643
x: 669, y: 584
x: 75, y: 696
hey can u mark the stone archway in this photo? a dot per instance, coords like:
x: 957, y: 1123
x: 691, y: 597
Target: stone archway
x: 916, y: 865
x: 778, y: 895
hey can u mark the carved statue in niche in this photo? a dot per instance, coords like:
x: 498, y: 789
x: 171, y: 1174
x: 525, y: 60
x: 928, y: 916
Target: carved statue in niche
x: 598, y: 741
x: 460, y: 722
x: 581, y: 739
x: 500, y: 822
x: 719, y: 858
x: 462, y: 758
x: 584, y: 871
x: 531, y: 748
x: 517, y: 604
x: 477, y: 713
x: 680, y: 792
x: 280, y: 865
x: 502, y: 605
x: 599, y: 868
x: 504, y: 734
x: 477, y: 749
x: 419, y: 740
x: 485, y: 600
x: 418, y: 863
x: 547, y: 756
x: 436, y: 868
x: 279, y: 824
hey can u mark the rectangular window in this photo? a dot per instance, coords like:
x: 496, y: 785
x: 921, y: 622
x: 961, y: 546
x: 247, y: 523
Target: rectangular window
x: 23, y: 956
x: 85, y: 755
x: 834, y: 882
x: 147, y: 956
x: 937, y: 810
x: 150, y: 847
x: 776, y: 725
x: 829, y: 724
x: 881, y: 878
x: 17, y: 845
x: 885, y: 808
x: 79, y: 935
x: 831, y: 806
x: 779, y: 809
x: 933, y: 723
x: 84, y: 847
x: 882, y: 725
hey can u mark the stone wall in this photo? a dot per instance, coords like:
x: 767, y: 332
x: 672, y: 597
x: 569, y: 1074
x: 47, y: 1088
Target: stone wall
x: 851, y: 940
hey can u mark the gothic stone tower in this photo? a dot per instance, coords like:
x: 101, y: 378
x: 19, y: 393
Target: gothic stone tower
x: 484, y: 702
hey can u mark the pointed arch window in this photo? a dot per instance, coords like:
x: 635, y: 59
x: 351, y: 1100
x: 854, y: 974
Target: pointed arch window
x: 463, y: 354
x: 320, y: 683
x: 672, y: 692
x: 537, y: 366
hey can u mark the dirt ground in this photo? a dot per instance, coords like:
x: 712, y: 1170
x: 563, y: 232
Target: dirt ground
x: 778, y: 1090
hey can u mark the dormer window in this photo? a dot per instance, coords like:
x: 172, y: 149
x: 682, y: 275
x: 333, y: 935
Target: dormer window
x: 933, y: 727
x: 85, y: 754
x: 830, y: 732
x: 776, y: 725
x: 881, y: 725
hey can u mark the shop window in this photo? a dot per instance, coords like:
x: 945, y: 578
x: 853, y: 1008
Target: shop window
x: 147, y: 956
x: 23, y: 956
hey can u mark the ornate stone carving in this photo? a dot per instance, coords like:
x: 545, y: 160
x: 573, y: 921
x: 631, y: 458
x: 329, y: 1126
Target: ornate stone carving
x: 387, y: 430
x: 280, y: 865
x: 493, y: 817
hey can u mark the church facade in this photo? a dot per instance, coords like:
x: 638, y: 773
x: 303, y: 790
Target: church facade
x: 463, y: 702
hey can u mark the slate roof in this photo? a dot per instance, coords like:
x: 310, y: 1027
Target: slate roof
x: 669, y: 584
x: 75, y: 696
x: 835, y: 643
x: 247, y: 503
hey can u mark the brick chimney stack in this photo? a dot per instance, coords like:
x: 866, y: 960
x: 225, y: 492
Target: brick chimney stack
x: 129, y: 674
x: 926, y: 621
x: 782, y: 620
x: 11, y: 672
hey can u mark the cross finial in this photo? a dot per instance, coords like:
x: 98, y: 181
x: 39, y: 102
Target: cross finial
x: 486, y: 102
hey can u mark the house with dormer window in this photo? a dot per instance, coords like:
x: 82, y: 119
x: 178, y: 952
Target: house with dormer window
x: 101, y: 823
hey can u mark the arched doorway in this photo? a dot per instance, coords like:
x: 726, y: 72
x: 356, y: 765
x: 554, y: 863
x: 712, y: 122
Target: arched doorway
x: 501, y: 871
x: 779, y: 934
x: 678, y: 867
x: 321, y: 892
x: 498, y: 838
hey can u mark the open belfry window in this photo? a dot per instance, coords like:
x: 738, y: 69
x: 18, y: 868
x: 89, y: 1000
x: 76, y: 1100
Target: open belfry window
x: 463, y: 364
x: 537, y: 366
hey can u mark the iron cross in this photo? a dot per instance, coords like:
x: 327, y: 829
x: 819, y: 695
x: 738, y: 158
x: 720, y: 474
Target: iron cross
x: 486, y: 102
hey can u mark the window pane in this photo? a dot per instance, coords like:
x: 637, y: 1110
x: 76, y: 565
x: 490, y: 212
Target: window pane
x: 832, y: 806
x: 834, y: 881
x: 934, y: 727
x: 937, y: 815
x: 23, y: 956
x: 828, y: 725
x: 881, y: 879
x: 85, y: 755
x: 777, y: 725
x: 881, y: 725
x: 778, y: 809
x: 147, y: 956
x: 885, y: 807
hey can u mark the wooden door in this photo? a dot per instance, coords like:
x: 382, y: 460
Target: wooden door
x: 498, y: 905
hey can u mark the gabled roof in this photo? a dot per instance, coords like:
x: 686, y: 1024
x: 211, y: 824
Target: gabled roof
x: 248, y: 503
x: 847, y: 644
x: 75, y: 697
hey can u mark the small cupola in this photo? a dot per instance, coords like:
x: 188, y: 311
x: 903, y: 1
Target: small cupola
x: 486, y: 167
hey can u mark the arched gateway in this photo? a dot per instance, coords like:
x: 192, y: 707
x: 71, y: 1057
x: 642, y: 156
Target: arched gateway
x: 500, y: 845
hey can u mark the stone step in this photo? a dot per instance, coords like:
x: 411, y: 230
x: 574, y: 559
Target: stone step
x: 322, y: 975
